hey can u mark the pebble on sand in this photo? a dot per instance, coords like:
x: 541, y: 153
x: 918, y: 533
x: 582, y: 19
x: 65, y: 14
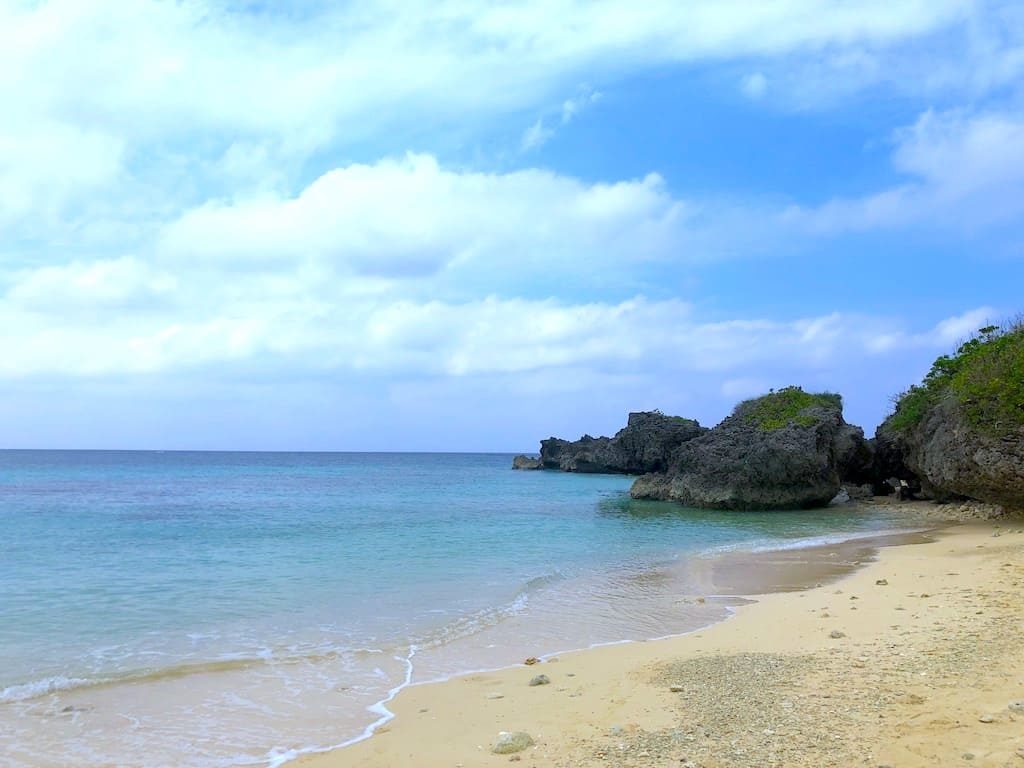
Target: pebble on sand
x: 531, y: 661
x: 540, y: 680
x: 835, y: 634
x: 508, y: 743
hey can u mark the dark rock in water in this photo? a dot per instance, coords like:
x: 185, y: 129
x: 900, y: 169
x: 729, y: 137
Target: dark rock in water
x: 645, y: 444
x: 526, y: 462
x: 780, y: 451
x: 656, y: 487
x: 955, y: 460
x: 588, y: 454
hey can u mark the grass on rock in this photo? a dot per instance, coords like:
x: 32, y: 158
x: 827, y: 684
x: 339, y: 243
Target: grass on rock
x: 986, y: 377
x: 790, y: 405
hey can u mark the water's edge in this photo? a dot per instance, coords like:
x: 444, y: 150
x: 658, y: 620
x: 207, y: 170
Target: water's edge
x: 824, y: 563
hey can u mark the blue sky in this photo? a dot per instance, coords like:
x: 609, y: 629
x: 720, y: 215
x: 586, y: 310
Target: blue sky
x: 467, y: 226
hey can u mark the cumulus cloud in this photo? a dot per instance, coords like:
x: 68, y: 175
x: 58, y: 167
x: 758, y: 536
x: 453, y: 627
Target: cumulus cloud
x: 965, y: 171
x: 410, y: 217
x: 166, y: 86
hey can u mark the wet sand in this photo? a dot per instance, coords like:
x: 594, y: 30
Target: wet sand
x: 909, y: 655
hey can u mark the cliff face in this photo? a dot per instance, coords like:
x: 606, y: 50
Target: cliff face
x: 961, y: 432
x: 785, y: 450
x: 645, y: 444
x: 953, y: 459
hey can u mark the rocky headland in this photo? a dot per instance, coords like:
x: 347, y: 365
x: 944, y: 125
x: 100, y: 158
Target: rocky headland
x: 958, y: 436
x: 786, y: 450
x: 960, y: 433
x: 645, y: 444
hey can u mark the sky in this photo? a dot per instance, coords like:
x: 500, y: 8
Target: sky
x: 467, y: 226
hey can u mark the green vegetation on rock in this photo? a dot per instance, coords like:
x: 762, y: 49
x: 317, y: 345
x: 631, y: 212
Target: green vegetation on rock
x: 789, y: 405
x: 985, y: 375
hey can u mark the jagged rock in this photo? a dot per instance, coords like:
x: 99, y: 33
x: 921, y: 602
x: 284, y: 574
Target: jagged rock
x: 586, y: 455
x: 843, y: 497
x: 859, y: 492
x: 526, y: 462
x: 652, y: 487
x: 645, y: 444
x: 854, y: 455
x: 774, y: 452
x: 890, y: 464
x: 954, y: 460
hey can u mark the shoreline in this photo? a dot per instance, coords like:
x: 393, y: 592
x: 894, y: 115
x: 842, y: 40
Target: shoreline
x: 480, y: 704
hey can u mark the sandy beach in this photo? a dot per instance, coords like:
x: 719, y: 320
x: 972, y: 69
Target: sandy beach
x: 907, y: 655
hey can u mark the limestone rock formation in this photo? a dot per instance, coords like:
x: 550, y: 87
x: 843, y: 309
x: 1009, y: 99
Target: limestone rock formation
x: 953, y: 459
x: 645, y: 444
x: 781, y: 451
x: 526, y: 462
x: 961, y: 431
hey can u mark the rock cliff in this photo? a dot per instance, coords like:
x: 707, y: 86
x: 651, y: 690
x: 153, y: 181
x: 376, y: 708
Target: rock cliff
x: 785, y: 450
x: 645, y: 444
x: 961, y: 431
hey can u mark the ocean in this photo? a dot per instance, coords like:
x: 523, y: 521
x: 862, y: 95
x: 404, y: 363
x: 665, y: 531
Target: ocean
x: 224, y: 609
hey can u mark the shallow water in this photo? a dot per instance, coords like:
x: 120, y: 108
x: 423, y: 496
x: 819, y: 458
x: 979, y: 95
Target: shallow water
x: 218, y: 609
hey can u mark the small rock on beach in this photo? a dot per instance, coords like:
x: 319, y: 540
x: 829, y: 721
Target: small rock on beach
x: 540, y: 680
x: 508, y: 743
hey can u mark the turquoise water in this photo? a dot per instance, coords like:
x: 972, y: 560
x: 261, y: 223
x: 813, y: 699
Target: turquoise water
x: 238, y: 608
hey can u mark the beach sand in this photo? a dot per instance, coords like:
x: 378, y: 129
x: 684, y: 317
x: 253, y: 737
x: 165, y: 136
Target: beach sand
x: 913, y: 659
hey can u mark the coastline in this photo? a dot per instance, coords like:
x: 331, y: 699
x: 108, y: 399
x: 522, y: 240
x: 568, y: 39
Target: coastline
x: 610, y: 705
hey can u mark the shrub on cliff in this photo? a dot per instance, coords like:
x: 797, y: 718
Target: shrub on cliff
x: 789, y: 405
x: 985, y: 377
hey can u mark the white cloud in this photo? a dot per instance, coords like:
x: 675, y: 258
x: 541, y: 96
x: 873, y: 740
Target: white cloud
x: 307, y: 324
x: 537, y: 135
x: 541, y: 132
x: 46, y: 166
x: 754, y: 85
x: 112, y: 284
x: 572, y: 107
x: 410, y: 218
x: 942, y: 336
x: 966, y: 172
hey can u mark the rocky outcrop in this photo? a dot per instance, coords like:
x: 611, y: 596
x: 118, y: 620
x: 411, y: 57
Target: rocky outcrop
x: 526, y: 462
x: 781, y: 451
x: 588, y: 454
x: 889, y: 470
x: 955, y: 460
x: 854, y: 456
x: 645, y: 444
x: 960, y: 432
